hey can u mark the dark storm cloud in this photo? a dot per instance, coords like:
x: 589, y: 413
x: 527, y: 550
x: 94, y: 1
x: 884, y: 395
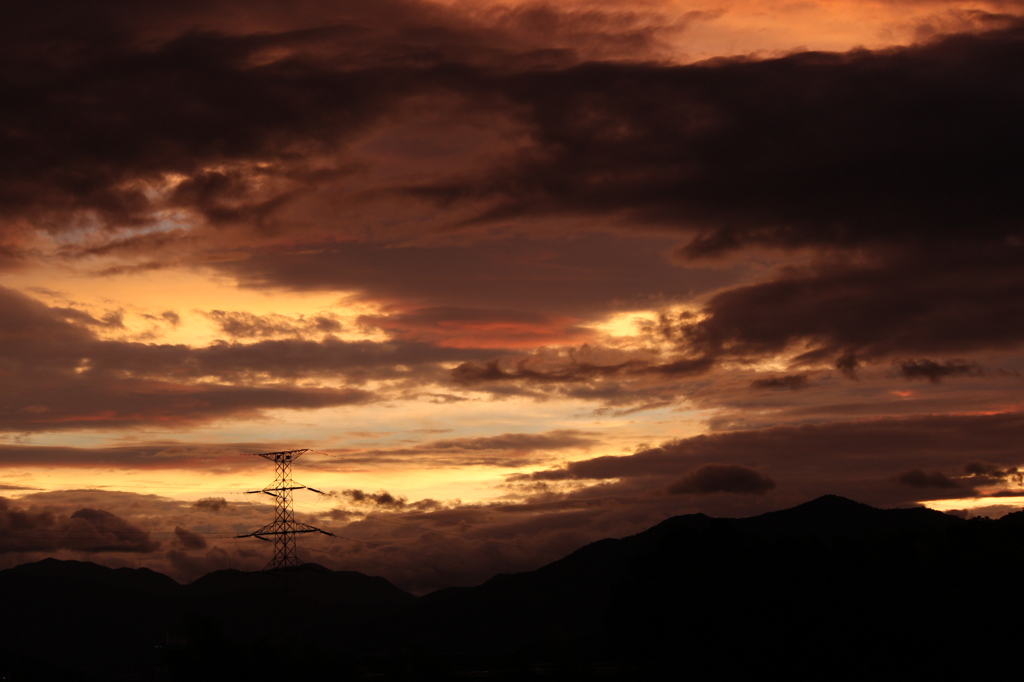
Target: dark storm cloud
x: 189, y: 540
x: 243, y: 325
x: 622, y: 379
x: 211, y: 504
x: 571, y: 274
x: 694, y: 142
x: 907, y: 145
x: 721, y: 478
x: 916, y: 478
x: 974, y: 474
x: 103, y: 101
x: 856, y: 459
x: 141, y: 112
x: 531, y: 370
x: 381, y: 498
x: 474, y: 327
x: 86, y: 530
x: 68, y: 403
x: 935, y: 371
x: 790, y: 382
x: 389, y: 32
x: 847, y: 363
x: 887, y: 151
x: 931, y: 302
x: 475, y: 373
x: 615, y: 379
x: 284, y: 359
x: 994, y: 471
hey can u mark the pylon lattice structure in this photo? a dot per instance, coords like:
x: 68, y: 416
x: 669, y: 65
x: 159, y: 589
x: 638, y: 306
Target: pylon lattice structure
x: 284, y: 528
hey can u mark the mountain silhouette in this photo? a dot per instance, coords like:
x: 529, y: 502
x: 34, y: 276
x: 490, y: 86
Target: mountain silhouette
x: 71, y: 572
x: 312, y: 580
x: 829, y: 589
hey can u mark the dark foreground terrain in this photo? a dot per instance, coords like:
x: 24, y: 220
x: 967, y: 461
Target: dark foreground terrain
x: 831, y: 589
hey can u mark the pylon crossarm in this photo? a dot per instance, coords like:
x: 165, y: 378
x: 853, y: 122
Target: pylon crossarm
x: 267, y: 490
x: 306, y: 528
x: 289, y: 455
x: 254, y: 535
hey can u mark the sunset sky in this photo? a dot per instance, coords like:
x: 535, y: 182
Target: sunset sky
x: 521, y: 275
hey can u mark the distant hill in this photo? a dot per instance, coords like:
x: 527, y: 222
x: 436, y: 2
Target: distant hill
x: 326, y: 586
x: 75, y: 620
x: 831, y: 589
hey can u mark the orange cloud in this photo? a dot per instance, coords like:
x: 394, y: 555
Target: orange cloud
x: 476, y: 328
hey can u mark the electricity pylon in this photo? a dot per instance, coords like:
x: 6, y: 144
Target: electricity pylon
x: 285, y: 527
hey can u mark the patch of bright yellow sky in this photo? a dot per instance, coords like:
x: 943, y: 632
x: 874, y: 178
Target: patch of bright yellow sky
x: 974, y: 503
x: 624, y: 324
x: 189, y: 294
